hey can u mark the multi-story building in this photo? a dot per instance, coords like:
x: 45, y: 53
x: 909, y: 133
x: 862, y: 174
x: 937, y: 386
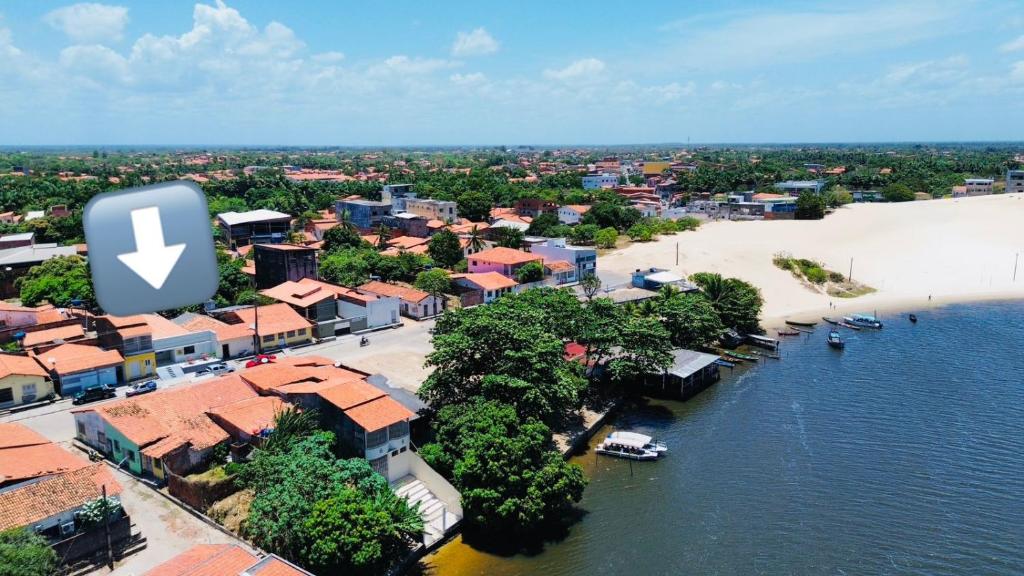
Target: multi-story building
x: 254, y: 227
x: 444, y: 210
x: 597, y: 181
x: 583, y: 258
x: 364, y: 214
x: 1014, y: 181
x: 395, y: 195
x: 978, y: 186
x: 798, y: 187
x: 278, y: 263
x: 572, y: 213
x: 504, y: 261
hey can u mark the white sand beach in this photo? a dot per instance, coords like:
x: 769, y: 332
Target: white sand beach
x: 954, y: 250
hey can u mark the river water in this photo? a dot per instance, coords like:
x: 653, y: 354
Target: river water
x: 903, y: 454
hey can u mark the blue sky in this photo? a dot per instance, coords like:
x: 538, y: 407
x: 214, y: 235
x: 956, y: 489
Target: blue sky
x: 260, y: 72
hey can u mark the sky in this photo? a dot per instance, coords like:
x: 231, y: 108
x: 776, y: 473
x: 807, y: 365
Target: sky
x: 407, y: 73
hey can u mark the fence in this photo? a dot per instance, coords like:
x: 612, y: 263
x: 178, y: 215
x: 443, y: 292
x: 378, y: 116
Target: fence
x: 93, y: 542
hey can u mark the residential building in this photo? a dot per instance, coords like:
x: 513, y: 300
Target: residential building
x: 364, y: 214
x: 254, y: 227
x: 133, y: 338
x: 49, y: 337
x: 166, y: 430
x: 415, y: 304
x: 15, y: 262
x: 505, y: 261
x: 50, y: 505
x: 560, y: 272
x: 313, y: 301
x: 277, y: 263
x: 979, y: 186
x: 13, y: 316
x: 17, y: 240
x: 798, y: 187
x: 572, y: 213
x: 357, y: 311
x: 171, y: 343
x: 431, y: 209
x: 395, y: 195
x: 225, y: 560
x: 598, y: 181
x: 655, y: 168
x: 22, y: 380
x: 75, y: 367
x: 247, y: 420
x: 582, y: 258
x: 646, y: 208
x: 234, y: 340
x: 534, y: 207
x: 656, y: 278
x: 277, y: 325
x: 482, y: 288
x: 1014, y: 181
x: 25, y: 455
x: 409, y: 223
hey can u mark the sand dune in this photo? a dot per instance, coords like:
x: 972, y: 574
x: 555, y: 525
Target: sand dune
x: 953, y: 250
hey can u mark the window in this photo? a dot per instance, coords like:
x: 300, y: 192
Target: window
x: 301, y: 331
x: 157, y: 464
x: 81, y: 429
x: 117, y: 445
x: 6, y: 395
x: 189, y: 350
x: 28, y: 389
x: 376, y: 438
x: 268, y: 338
x: 148, y: 362
x: 291, y: 333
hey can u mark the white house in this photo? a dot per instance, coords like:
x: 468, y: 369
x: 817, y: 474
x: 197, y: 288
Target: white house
x: 572, y: 213
x: 583, y: 258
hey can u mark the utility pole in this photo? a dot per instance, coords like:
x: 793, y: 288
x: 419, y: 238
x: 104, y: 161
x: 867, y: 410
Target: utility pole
x: 1015, y: 258
x: 849, y: 277
x: 677, y: 253
x: 106, y: 529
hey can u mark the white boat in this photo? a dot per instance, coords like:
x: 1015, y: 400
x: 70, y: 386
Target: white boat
x: 864, y: 321
x: 631, y: 448
x: 648, y: 442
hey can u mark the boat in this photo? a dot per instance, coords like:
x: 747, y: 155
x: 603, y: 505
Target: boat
x: 649, y: 443
x: 864, y: 321
x: 835, y: 340
x: 788, y: 332
x: 831, y: 321
x: 804, y: 324
x: 763, y: 341
x: 738, y: 355
x: 848, y: 325
x: 913, y: 318
x: 725, y: 363
x: 626, y: 448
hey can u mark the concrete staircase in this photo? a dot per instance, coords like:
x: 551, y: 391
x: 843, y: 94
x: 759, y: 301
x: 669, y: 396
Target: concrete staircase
x: 437, y: 518
x: 170, y: 372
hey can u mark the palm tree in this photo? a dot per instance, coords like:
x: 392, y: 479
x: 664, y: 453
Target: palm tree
x: 476, y: 240
x: 345, y: 220
x: 406, y: 519
x: 290, y: 426
x: 383, y: 235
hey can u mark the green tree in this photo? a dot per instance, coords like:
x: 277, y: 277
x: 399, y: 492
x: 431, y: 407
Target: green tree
x: 838, y: 196
x: 475, y: 206
x: 738, y: 303
x: 341, y: 237
x: 584, y: 234
x: 383, y: 235
x: 290, y: 426
x: 645, y: 348
x: 444, y: 248
x: 508, y: 237
x: 435, y: 282
x: 542, y: 224
x: 591, y: 285
x: 25, y: 553
x: 898, y: 193
x: 690, y: 319
x: 59, y: 281
x: 606, y: 238
x: 530, y: 272
x: 810, y: 206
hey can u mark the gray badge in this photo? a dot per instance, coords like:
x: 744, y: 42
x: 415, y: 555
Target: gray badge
x: 150, y: 248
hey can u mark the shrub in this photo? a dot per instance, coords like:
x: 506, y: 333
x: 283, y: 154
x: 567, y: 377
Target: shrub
x: 687, y: 223
x: 816, y: 275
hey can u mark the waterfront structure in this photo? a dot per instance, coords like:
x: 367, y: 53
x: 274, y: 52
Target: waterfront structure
x: 277, y: 263
x: 798, y: 187
x: 582, y: 258
x: 364, y: 214
x: 254, y: 227
x: 689, y: 373
x: 1014, y: 181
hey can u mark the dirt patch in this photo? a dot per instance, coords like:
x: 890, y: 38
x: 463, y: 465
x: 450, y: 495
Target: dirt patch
x: 231, y: 512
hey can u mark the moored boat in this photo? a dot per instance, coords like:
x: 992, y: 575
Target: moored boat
x: 804, y: 324
x: 835, y: 340
x: 864, y: 321
x: 738, y: 355
x: 628, y: 448
x: 648, y: 442
x: 763, y: 341
x: 788, y: 332
x: 913, y: 318
x: 847, y: 325
x: 831, y: 321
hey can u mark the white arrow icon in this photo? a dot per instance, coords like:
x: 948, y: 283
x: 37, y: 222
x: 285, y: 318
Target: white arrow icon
x: 152, y: 259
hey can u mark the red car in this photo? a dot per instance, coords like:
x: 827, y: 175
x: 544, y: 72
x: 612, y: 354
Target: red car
x: 261, y: 359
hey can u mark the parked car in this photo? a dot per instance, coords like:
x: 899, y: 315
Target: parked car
x: 216, y: 369
x: 141, y: 388
x: 93, y: 394
x: 261, y: 359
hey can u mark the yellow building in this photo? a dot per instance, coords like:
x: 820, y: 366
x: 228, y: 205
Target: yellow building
x: 22, y: 380
x: 142, y: 365
x: 655, y: 168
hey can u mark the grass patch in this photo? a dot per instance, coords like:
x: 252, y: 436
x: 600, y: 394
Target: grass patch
x: 815, y: 276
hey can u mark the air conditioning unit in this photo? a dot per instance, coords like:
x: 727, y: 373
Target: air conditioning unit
x: 67, y: 528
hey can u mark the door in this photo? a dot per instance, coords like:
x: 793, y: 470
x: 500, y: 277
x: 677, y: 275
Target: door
x: 134, y: 371
x: 224, y: 352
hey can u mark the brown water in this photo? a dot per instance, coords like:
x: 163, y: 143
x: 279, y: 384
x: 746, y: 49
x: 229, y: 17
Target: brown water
x: 902, y: 455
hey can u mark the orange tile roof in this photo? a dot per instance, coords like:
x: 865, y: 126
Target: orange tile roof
x: 383, y: 289
x: 556, y: 266
x: 223, y: 330
x: 379, y: 413
x: 162, y: 327
x: 284, y: 247
x: 124, y: 321
x: 20, y: 365
x: 487, y: 280
x: 266, y: 377
x: 25, y: 462
x: 767, y: 196
x: 407, y: 241
x: 275, y: 566
x: 274, y: 319
x: 176, y: 416
x: 349, y: 394
x: 578, y: 208
x: 71, y: 358
x: 207, y: 560
x: 250, y: 415
x: 69, y: 332
x: 502, y: 255
x: 28, y: 504
x: 296, y: 294
x: 13, y: 435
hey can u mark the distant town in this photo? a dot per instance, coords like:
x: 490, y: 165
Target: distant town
x: 404, y: 345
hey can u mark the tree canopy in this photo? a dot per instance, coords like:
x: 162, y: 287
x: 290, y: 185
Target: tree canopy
x: 444, y: 248
x: 25, y: 553
x: 59, y: 281
x: 738, y: 303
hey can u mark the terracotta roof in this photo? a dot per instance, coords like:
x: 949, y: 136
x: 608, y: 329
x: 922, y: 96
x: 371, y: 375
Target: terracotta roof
x: 349, y: 394
x: 296, y: 294
x: 175, y: 416
x: 223, y: 330
x: 274, y: 319
x: 379, y: 413
x: 125, y: 321
x: 284, y: 247
x: 162, y: 327
x: 49, y: 496
x: 402, y: 292
x: 26, y: 462
x: 502, y: 255
x: 250, y: 415
x: 407, y: 241
x: 767, y: 196
x: 436, y: 224
x: 556, y: 266
x: 275, y: 566
x: 267, y: 377
x: 207, y: 560
x: 13, y: 435
x: 69, y: 332
x: 487, y: 280
x: 71, y: 358
x: 578, y: 208
x: 20, y: 365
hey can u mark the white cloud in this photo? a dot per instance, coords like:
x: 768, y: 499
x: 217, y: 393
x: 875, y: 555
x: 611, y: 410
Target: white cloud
x: 580, y: 69
x: 468, y: 79
x: 89, y: 22
x: 1013, y: 45
x: 328, y: 57
x: 476, y: 43
x: 402, y: 64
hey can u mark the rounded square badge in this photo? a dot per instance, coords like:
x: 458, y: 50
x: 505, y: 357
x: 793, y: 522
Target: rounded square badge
x: 151, y: 248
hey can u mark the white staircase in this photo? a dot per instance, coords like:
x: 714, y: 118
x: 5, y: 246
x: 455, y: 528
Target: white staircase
x: 437, y: 518
x: 170, y: 372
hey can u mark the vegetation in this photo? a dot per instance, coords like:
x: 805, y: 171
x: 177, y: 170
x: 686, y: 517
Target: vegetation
x: 435, y: 282
x: 738, y: 303
x: 810, y: 206
x: 815, y: 274
x: 530, y: 272
x: 58, y: 281
x: 98, y: 511
x: 898, y: 193
x: 444, y: 248
x: 24, y: 553
x: 606, y: 238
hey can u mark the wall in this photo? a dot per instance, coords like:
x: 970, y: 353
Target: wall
x: 205, y: 343
x: 135, y: 367
x: 238, y: 347
x: 382, y: 312
x: 72, y: 383
x: 441, y: 488
x: 15, y: 382
x: 94, y: 541
x: 120, y: 446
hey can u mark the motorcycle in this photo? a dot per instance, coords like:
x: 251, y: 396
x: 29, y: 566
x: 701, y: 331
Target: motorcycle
x: 364, y: 341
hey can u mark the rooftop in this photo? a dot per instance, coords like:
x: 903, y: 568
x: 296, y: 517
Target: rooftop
x: 224, y: 331
x: 31, y: 502
x: 21, y: 366
x: 207, y: 560
x: 502, y: 255
x: 349, y: 394
x: 34, y: 254
x: 250, y: 415
x: 688, y: 362
x: 379, y: 413
x: 26, y: 462
x: 487, y: 280
x: 13, y: 435
x: 71, y: 358
x: 274, y: 319
x: 236, y: 218
x: 298, y: 294
x: 402, y: 292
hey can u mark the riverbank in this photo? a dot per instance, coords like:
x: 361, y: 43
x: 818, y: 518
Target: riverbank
x: 955, y: 251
